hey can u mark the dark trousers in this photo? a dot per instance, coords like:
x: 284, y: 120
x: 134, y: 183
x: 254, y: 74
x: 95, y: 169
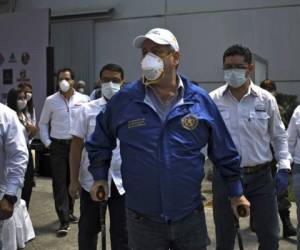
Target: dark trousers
x: 259, y: 188
x: 59, y: 158
x: 189, y: 233
x: 89, y: 222
x: 28, y: 180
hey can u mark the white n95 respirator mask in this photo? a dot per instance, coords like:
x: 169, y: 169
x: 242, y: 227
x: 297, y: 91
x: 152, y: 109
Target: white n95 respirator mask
x: 152, y: 67
x: 64, y: 86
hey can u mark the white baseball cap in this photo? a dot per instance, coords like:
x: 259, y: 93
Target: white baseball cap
x: 159, y: 36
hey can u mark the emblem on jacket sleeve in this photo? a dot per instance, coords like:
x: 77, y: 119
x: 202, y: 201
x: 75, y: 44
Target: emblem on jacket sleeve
x: 189, y: 122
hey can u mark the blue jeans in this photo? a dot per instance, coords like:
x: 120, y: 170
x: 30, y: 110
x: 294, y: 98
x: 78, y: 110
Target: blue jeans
x: 296, y: 186
x: 189, y: 233
x: 259, y: 188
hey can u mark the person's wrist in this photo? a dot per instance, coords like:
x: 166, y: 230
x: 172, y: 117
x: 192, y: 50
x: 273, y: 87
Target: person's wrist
x: 10, y: 198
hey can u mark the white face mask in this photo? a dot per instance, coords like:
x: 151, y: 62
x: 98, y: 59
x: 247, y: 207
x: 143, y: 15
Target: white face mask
x: 28, y: 96
x: 109, y: 89
x: 64, y: 86
x: 21, y: 104
x: 235, y: 77
x: 81, y: 90
x: 152, y: 67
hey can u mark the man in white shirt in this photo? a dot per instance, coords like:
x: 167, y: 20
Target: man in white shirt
x: 112, y: 77
x: 13, y: 163
x: 294, y: 148
x: 57, y: 116
x: 253, y: 120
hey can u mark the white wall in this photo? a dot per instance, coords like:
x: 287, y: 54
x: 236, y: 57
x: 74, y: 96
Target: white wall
x: 73, y: 44
x: 204, y: 30
x: 192, y: 6
x: 60, y: 7
x: 271, y: 33
x: 18, y: 36
x: 114, y: 44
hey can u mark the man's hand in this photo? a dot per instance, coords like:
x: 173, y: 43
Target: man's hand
x: 240, y: 201
x: 6, y: 209
x: 95, y: 187
x: 74, y: 189
x: 282, y: 180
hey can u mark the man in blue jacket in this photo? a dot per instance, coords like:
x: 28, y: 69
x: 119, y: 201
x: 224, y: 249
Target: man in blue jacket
x: 163, y: 121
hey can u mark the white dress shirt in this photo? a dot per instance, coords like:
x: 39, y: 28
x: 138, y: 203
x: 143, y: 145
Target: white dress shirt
x: 294, y: 135
x: 83, y: 128
x: 60, y: 113
x: 254, y: 122
x: 13, y: 152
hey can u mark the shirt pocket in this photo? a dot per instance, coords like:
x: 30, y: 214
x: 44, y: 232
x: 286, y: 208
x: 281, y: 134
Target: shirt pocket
x: 261, y: 120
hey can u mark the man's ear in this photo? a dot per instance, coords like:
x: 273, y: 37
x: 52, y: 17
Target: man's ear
x: 176, y: 56
x: 250, y: 69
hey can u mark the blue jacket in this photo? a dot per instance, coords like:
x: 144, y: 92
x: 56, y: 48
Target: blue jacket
x: 162, y: 163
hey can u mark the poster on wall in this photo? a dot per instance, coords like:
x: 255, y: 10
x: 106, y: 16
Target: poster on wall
x: 23, y: 56
x: 23, y: 76
x: 7, y: 76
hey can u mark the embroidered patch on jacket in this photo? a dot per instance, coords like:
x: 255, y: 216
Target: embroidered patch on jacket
x: 136, y: 123
x: 189, y: 122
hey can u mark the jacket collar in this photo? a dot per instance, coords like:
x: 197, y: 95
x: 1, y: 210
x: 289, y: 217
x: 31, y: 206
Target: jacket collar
x: 188, y: 88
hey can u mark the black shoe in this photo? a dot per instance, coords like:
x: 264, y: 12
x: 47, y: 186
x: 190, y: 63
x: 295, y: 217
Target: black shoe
x: 73, y: 219
x: 63, y: 230
x: 289, y: 231
x: 287, y: 226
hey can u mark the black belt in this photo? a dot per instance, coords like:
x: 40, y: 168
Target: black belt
x: 61, y: 141
x: 257, y: 168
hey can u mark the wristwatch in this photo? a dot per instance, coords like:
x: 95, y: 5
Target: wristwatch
x: 10, y: 198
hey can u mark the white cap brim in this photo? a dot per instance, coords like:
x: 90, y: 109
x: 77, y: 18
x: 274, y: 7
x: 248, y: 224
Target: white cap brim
x: 138, y: 41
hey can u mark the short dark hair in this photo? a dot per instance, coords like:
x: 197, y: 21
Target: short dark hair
x: 268, y: 85
x: 112, y: 67
x: 238, y: 50
x: 66, y: 70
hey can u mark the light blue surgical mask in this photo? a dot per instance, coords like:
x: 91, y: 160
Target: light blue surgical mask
x: 108, y: 89
x: 235, y: 77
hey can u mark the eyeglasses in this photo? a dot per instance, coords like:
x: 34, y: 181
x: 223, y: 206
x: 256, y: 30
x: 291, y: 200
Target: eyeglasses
x: 114, y: 79
x: 159, y: 50
x: 235, y: 66
x: 64, y: 78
